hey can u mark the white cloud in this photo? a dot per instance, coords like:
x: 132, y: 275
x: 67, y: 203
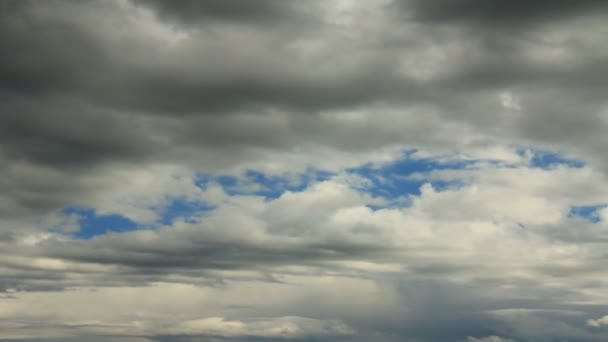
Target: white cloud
x: 597, y: 323
x: 281, y: 327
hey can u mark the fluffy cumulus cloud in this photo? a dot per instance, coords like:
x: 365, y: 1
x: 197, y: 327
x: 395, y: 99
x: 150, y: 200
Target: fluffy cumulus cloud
x: 283, y: 170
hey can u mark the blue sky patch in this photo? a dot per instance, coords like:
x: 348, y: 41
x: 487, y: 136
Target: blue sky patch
x: 588, y: 212
x: 92, y: 224
x: 392, y: 181
x: 255, y: 183
x: 272, y: 187
x: 545, y: 159
x: 180, y: 208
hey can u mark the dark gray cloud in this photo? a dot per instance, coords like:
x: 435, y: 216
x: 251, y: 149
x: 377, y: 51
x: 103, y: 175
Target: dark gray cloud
x: 68, y: 133
x: 104, y: 86
x: 496, y: 13
x: 206, y: 75
x: 185, y: 255
x: 234, y: 11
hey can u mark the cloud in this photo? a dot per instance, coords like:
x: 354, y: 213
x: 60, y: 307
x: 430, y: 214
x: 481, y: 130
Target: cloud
x: 473, y: 233
x: 334, y: 91
x: 597, y: 323
x: 231, y: 11
x: 497, y: 13
x: 282, y: 327
x: 373, y: 171
x: 488, y: 339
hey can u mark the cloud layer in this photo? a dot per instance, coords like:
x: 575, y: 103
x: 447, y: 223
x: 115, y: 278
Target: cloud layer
x: 388, y: 170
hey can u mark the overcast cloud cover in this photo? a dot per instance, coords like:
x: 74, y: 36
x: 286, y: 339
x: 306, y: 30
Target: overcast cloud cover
x: 289, y: 170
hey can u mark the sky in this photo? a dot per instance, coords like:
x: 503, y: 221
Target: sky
x: 288, y: 170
